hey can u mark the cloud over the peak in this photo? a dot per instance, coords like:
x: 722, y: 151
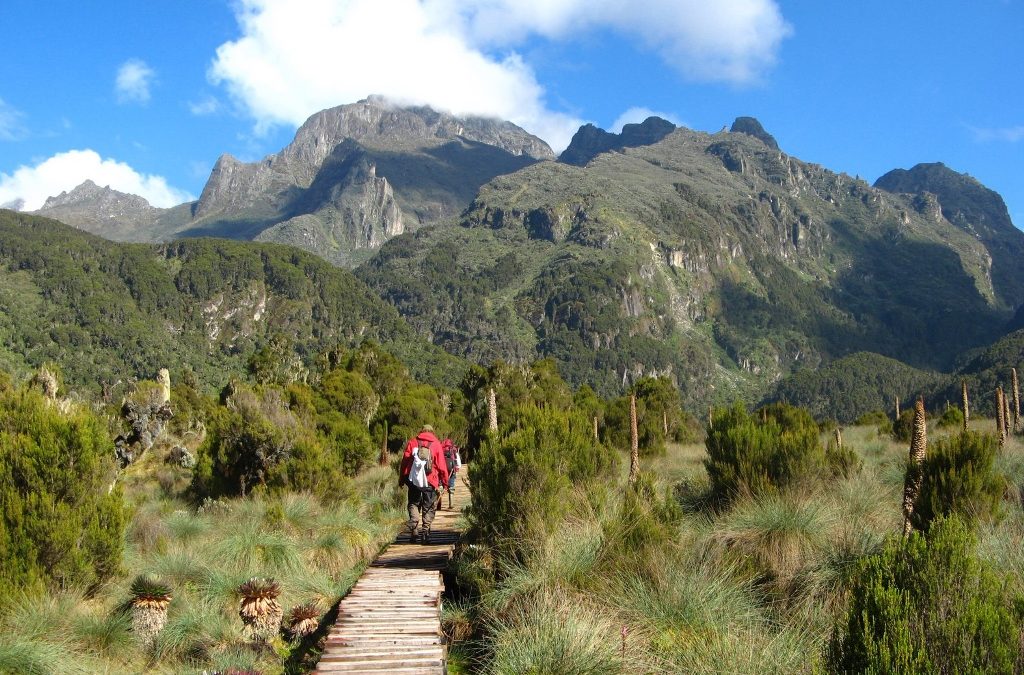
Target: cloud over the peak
x: 290, y: 62
x: 31, y: 185
x: 133, y: 81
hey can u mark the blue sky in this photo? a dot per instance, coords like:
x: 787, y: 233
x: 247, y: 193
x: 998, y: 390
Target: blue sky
x: 146, y: 95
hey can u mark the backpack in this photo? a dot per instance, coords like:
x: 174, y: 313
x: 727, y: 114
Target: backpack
x: 423, y: 452
x: 449, y: 457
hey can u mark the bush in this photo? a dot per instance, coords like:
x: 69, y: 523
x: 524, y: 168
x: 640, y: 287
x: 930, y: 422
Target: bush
x: 872, y: 419
x: 927, y: 605
x: 842, y: 462
x: 255, y: 441
x: 958, y: 476
x: 903, y: 428
x: 764, y: 453
x: 60, y: 524
x: 523, y: 478
x: 660, y: 417
x: 952, y: 418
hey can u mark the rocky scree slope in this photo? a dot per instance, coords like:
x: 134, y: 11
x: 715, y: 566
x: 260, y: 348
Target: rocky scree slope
x: 715, y: 259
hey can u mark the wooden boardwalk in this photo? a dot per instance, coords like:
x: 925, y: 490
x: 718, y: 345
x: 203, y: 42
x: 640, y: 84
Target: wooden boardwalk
x: 390, y: 622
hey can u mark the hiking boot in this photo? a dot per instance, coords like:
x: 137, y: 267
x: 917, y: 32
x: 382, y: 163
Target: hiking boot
x: 426, y: 537
x: 413, y: 536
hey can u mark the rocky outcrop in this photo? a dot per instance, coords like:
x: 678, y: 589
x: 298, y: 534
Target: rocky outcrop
x: 590, y: 141
x: 347, y: 210
x: 751, y: 127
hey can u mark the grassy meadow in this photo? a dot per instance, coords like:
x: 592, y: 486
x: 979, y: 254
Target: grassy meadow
x: 755, y: 586
x: 314, y: 548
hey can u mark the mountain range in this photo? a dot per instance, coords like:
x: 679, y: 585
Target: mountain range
x: 715, y: 259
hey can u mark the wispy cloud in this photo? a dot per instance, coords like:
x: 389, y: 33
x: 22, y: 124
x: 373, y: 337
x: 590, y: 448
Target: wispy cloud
x: 208, y: 105
x: 31, y: 185
x: 133, y: 81
x: 458, y: 55
x: 1001, y: 134
x: 11, y: 128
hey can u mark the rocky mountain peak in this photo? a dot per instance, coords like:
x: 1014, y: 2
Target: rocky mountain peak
x: 88, y: 194
x: 379, y: 124
x: 375, y: 124
x: 751, y: 127
x: 590, y: 141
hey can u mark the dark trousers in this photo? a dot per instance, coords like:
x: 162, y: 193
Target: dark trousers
x: 422, y: 505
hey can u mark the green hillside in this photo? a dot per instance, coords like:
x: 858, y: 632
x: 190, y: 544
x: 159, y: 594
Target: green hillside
x: 714, y: 259
x: 106, y: 312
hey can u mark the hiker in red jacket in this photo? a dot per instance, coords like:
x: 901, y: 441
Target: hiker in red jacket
x: 424, y: 470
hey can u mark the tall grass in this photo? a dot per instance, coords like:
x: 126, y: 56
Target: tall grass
x: 315, y: 550
x: 753, y: 587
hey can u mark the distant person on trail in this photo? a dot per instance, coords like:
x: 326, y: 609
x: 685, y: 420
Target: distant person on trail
x: 425, y: 471
x: 453, y: 462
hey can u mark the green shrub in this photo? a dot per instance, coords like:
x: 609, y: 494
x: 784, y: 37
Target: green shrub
x: 348, y: 441
x: 903, y: 428
x: 952, y: 418
x: 60, y: 523
x: 927, y: 605
x: 873, y: 419
x: 842, y: 462
x: 958, y: 476
x: 255, y: 441
x: 764, y: 453
x: 657, y: 406
x: 523, y: 478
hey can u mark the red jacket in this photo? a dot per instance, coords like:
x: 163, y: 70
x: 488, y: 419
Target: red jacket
x: 437, y: 477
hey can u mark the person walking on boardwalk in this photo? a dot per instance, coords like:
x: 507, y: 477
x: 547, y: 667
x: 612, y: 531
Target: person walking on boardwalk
x: 453, y: 462
x: 425, y: 472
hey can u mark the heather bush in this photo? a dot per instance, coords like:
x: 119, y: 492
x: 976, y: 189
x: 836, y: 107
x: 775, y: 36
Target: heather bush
x: 777, y: 447
x: 903, y: 428
x: 952, y: 418
x: 61, y: 520
x: 958, y: 476
x: 927, y: 605
x: 660, y: 417
x: 523, y: 477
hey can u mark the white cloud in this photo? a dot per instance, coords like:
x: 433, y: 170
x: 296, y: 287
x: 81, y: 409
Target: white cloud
x: 67, y: 170
x: 11, y: 128
x: 726, y: 40
x: 133, y: 81
x: 292, y: 61
x: 639, y: 114
x: 1004, y: 134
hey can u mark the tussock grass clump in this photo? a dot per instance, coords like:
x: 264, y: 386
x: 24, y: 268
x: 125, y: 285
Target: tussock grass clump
x: 552, y: 633
x: 777, y: 535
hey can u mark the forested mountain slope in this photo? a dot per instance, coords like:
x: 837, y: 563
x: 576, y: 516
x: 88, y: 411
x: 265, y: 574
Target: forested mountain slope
x: 105, y: 312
